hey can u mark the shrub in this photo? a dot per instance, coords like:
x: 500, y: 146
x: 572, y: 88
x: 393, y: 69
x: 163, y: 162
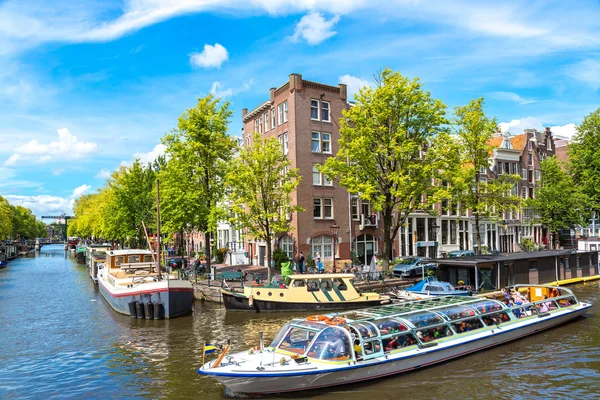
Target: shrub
x: 220, y: 255
x: 527, y: 244
x: 279, y: 256
x: 309, y: 260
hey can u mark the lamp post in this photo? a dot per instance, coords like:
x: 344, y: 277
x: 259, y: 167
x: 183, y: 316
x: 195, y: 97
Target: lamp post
x: 334, y: 229
x: 433, y: 229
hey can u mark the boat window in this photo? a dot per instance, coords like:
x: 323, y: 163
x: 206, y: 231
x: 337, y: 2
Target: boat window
x: 487, y: 306
x: 496, y: 318
x: 147, y: 258
x: 280, y: 335
x: 399, y: 341
x: 423, y: 318
x: 331, y: 344
x: 119, y: 260
x: 312, y: 285
x: 388, y: 326
x: 467, y: 325
x: 434, y: 333
x: 339, y: 284
x: 372, y: 347
x: 566, y: 302
x: 546, y: 305
x: 298, y: 283
x: 326, y: 284
x: 433, y: 288
x: 457, y: 312
x: 525, y: 311
x: 297, y: 340
x: 134, y: 259
x: 366, y: 329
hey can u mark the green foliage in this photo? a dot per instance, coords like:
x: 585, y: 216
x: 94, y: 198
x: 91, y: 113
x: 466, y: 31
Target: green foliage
x: 261, y: 182
x: 487, y: 199
x: 584, y: 152
x: 220, y: 254
x: 559, y: 203
x: 355, y: 259
x: 309, y: 260
x: 192, y: 181
x: 392, y: 143
x: 6, y: 220
x: 527, y: 244
x: 18, y: 222
x: 279, y: 256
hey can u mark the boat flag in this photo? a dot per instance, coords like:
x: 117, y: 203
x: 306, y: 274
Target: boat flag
x: 210, y: 348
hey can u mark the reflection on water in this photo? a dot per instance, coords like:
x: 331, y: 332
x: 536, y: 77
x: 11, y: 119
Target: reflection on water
x: 61, y: 338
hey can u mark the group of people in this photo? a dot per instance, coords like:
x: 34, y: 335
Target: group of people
x: 301, y: 263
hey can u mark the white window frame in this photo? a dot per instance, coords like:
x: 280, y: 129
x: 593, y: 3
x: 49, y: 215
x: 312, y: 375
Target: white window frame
x: 256, y: 125
x: 279, y: 114
x: 285, y: 111
x: 316, y: 174
x: 326, y: 206
x: 524, y: 192
x: 328, y: 111
x: 317, y: 140
x: 320, y: 205
x: 317, y: 107
x: 323, y: 141
x: 273, y: 118
x: 524, y: 174
x: 286, y: 244
x: 354, y: 206
x: 538, y: 175
x: 482, y: 170
x: 266, y: 116
x: 286, y: 144
x: 260, y: 125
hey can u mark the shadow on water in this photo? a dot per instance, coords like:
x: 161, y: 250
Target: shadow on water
x: 66, y: 341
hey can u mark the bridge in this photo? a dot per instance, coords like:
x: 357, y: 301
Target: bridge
x: 59, y: 217
x: 44, y: 242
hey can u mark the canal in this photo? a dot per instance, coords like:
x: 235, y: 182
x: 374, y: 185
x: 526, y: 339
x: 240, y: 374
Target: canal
x: 59, y: 338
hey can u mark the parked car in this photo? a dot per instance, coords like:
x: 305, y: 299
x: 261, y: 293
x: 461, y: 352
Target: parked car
x: 411, y: 267
x: 177, y: 262
x: 461, y: 253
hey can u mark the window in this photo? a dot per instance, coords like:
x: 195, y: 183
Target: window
x: 500, y: 169
x: 272, y: 118
x: 482, y: 170
x: 314, y: 110
x: 524, y: 192
x: 256, y: 125
x: 266, y: 121
x: 537, y: 175
x: 147, y: 258
x: 452, y: 231
x: 316, y: 142
x: 260, y: 125
x: 285, y: 143
x: 326, y: 142
x: 322, y: 245
x: 444, y: 232
x: 325, y: 111
x: 119, y: 260
x: 318, y: 208
x: 133, y: 259
x: 328, y: 208
x: 316, y: 176
x: 524, y: 173
x: 280, y: 114
x: 287, y: 244
x: 530, y: 145
x: 530, y: 159
x: 515, y: 169
x: 285, y: 111
x: 354, y: 207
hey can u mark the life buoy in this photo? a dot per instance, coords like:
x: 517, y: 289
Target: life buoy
x: 335, y: 321
x: 317, y: 318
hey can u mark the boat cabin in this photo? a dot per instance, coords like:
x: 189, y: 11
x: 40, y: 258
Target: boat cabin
x: 129, y: 262
x: 395, y: 328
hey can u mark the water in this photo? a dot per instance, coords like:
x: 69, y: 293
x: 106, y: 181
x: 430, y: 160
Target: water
x: 59, y: 338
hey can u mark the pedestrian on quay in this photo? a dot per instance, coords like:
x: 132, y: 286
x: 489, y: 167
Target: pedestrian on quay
x: 301, y: 263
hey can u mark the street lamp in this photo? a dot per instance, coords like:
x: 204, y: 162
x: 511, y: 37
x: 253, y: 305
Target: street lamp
x: 334, y: 229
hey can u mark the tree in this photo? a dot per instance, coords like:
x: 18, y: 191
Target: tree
x: 261, y: 182
x: 6, y: 221
x: 391, y: 149
x: 487, y: 199
x: 192, y: 182
x: 559, y: 203
x: 584, y: 152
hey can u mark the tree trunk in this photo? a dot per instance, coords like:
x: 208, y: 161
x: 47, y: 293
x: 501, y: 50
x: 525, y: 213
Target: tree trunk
x: 181, y: 246
x: 207, y: 249
x: 387, y: 239
x: 478, y: 230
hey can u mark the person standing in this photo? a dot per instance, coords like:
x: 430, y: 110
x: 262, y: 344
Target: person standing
x: 301, y: 263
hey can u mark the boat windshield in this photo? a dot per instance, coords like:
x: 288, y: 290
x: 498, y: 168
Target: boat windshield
x: 457, y: 312
x: 486, y: 306
x: 332, y: 344
x: 423, y: 318
x: 294, y: 338
x: 366, y: 329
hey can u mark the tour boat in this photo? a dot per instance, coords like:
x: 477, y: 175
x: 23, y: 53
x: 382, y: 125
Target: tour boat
x: 129, y: 283
x: 303, y: 293
x: 432, y: 287
x: 340, y: 348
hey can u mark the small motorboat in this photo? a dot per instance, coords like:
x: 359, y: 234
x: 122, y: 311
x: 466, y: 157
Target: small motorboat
x: 340, y: 348
x: 432, y: 287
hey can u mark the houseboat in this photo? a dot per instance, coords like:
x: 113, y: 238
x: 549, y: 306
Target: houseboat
x: 80, y: 253
x: 340, y: 348
x: 303, y: 293
x: 131, y: 284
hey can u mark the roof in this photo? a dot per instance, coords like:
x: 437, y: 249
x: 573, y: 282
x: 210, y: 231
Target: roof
x: 128, y: 252
x: 518, y: 141
x: 475, y: 261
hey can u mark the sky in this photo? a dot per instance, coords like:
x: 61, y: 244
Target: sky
x: 87, y: 86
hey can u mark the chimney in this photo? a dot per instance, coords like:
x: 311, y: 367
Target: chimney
x: 343, y: 91
x: 548, y: 131
x: 295, y: 82
x: 272, y: 94
x: 244, y: 112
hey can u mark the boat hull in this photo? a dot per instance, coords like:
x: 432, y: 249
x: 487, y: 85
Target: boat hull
x: 312, y: 378
x: 177, y: 297
x: 240, y: 302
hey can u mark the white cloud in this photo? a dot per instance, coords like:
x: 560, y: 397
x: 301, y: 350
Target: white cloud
x: 210, y: 57
x: 509, y: 96
x: 587, y: 71
x: 218, y: 90
x: 354, y: 84
x: 67, y: 147
x: 103, y: 174
x: 516, y: 126
x: 314, y: 28
x: 152, y: 155
x: 9, y: 183
x: 80, y: 191
x: 58, y: 171
x: 567, y: 131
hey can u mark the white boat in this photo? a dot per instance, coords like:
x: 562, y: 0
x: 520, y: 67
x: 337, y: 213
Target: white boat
x: 129, y: 283
x: 342, y: 348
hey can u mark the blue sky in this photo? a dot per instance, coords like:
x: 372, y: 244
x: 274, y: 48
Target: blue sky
x: 87, y: 86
